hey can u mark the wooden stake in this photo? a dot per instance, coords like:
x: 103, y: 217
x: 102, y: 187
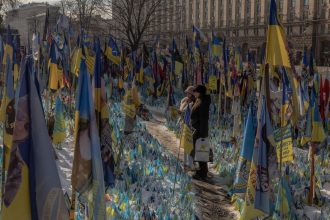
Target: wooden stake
x: 219, y: 106
x: 312, y: 148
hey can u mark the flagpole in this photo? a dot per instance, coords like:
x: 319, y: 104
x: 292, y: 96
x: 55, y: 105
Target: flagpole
x: 219, y: 105
x: 312, y: 148
x: 178, y: 159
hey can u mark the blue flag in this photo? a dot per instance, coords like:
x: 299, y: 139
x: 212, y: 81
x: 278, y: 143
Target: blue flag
x: 87, y: 173
x: 244, y: 163
x: 33, y: 188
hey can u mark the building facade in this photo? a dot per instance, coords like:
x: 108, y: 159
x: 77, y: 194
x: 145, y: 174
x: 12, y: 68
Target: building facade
x: 244, y: 23
x: 30, y: 18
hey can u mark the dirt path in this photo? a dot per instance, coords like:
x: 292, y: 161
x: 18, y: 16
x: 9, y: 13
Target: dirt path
x: 211, y: 201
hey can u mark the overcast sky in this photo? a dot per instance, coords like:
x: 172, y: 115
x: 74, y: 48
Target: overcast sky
x: 49, y: 1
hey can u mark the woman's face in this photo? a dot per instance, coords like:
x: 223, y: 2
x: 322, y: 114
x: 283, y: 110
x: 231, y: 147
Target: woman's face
x: 197, y: 94
x: 190, y: 96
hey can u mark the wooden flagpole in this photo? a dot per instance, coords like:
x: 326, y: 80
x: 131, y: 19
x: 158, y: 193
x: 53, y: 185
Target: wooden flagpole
x: 312, y: 148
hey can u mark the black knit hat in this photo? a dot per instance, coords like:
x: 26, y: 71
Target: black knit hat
x: 200, y: 89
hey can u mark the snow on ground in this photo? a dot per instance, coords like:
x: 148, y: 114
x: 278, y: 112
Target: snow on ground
x: 64, y: 164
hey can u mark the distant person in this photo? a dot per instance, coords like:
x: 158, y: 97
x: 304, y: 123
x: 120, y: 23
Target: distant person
x: 199, y: 121
x: 186, y: 102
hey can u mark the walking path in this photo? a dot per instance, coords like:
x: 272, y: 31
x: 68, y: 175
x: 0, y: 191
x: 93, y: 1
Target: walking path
x: 211, y: 201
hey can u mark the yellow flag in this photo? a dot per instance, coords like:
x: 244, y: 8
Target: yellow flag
x: 187, y: 139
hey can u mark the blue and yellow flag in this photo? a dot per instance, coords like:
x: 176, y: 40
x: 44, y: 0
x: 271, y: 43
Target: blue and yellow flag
x: 238, y: 61
x: 102, y: 116
x: 55, y: 73
x: 97, y: 80
x: 196, y: 39
x: 318, y: 134
x: 216, y: 45
x: 76, y: 58
x: 276, y: 52
x: 87, y: 173
x: 307, y: 133
x: 283, y: 202
x: 33, y: 188
x: 59, y: 132
x: 8, y: 48
x: 177, y: 62
x: 244, y: 163
x: 112, y: 51
x: 7, y: 111
x: 257, y: 198
x: 8, y: 107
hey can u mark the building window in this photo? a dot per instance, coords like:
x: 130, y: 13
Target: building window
x: 256, y: 31
x: 267, y: 7
x: 306, y: 2
x: 328, y: 28
x: 281, y: 5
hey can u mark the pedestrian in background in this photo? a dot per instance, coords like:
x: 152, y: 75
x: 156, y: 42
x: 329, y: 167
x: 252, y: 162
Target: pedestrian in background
x: 199, y: 121
x: 187, y: 102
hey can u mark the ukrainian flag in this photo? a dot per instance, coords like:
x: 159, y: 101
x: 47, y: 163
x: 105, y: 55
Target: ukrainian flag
x: 33, y: 188
x: 59, y: 132
x: 318, y: 134
x: 257, y: 198
x: 76, y: 58
x: 196, y: 39
x: 177, y: 62
x: 97, y: 81
x: 102, y: 116
x: 112, y: 51
x: 8, y: 110
x: 8, y: 49
x: 87, y: 172
x: 307, y: 134
x: 283, y: 202
x: 276, y: 52
x: 199, y: 34
x: 216, y: 45
x: 244, y: 162
x: 8, y: 64
x: 55, y: 73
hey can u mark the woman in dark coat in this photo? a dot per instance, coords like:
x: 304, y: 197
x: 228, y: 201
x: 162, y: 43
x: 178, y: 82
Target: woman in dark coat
x: 199, y: 121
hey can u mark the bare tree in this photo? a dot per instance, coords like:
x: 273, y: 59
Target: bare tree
x: 6, y: 5
x: 81, y: 10
x: 134, y: 19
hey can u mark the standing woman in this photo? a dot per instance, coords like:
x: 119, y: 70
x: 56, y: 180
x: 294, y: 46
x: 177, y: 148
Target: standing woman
x: 185, y: 108
x: 199, y: 121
